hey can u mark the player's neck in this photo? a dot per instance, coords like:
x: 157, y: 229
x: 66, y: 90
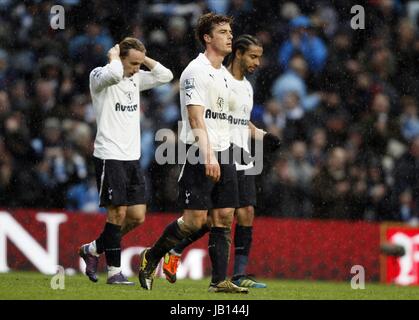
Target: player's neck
x: 215, y: 58
x: 236, y: 71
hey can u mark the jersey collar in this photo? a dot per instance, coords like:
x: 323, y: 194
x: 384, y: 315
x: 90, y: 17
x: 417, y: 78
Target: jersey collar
x: 203, y: 58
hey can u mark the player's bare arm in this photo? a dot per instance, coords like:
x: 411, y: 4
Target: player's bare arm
x: 196, y: 120
x: 270, y: 141
x: 255, y: 132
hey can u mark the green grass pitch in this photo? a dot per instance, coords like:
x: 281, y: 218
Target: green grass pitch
x: 32, y: 285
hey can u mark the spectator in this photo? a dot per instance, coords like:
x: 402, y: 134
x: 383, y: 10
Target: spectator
x: 280, y: 195
x: 83, y: 197
x: 302, y: 172
x: 5, y: 108
x: 68, y: 168
x: 409, y: 120
x: 379, y: 127
x: 274, y: 118
x: 303, y: 40
x: 332, y: 116
x: 293, y: 81
x: 406, y: 183
x: 316, y: 154
x: 333, y: 176
x: 6, y: 73
x: 91, y: 46
x: 6, y: 171
x: 379, y: 205
x: 295, y: 128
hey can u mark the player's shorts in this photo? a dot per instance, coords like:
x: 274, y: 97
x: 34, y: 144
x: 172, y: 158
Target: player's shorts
x: 198, y: 192
x: 120, y: 183
x: 247, y: 189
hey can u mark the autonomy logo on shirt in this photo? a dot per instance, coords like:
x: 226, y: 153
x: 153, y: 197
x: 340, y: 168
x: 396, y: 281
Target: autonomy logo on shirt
x: 129, y: 108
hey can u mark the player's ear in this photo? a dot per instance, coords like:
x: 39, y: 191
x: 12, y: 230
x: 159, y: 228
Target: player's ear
x: 239, y: 53
x: 207, y: 38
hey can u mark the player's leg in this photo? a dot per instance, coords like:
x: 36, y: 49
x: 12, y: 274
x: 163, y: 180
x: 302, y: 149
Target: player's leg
x: 195, y: 199
x: 224, y: 199
x: 109, y: 242
x: 135, y: 217
x: 112, y: 178
x: 111, y: 239
x: 136, y: 196
x: 244, y: 231
x: 172, y: 258
x: 242, y: 244
x: 242, y: 239
x: 219, y: 243
x: 175, y: 232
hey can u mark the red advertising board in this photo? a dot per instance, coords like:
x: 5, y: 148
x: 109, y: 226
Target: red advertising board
x: 282, y: 248
x: 401, y: 270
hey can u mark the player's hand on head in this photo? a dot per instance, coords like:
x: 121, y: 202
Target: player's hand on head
x: 114, y: 52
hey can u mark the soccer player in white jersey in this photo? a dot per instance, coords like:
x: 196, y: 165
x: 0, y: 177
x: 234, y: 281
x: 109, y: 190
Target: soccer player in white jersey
x: 115, y: 91
x: 244, y: 59
x: 210, y: 185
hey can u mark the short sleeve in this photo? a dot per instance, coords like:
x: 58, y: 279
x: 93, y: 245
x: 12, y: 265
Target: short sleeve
x: 194, y: 88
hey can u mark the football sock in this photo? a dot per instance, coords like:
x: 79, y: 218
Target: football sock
x: 171, y: 236
x: 219, y: 252
x: 112, y: 244
x: 242, y: 243
x: 92, y: 248
x: 100, y: 247
x: 113, y: 271
x: 178, y: 249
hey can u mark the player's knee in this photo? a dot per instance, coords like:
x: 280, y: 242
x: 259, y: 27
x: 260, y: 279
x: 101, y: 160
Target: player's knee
x: 189, y: 226
x: 193, y: 221
x: 117, y: 215
x: 121, y: 212
x: 245, y: 216
x: 195, y: 225
x: 223, y: 217
x: 137, y: 221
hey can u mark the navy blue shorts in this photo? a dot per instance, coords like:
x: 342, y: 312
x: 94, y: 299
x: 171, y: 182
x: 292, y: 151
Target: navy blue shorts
x: 198, y: 192
x: 247, y: 189
x: 120, y: 183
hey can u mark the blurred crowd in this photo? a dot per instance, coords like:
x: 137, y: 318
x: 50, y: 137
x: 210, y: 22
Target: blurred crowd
x: 343, y: 101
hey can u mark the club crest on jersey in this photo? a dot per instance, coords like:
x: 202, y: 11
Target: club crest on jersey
x: 220, y: 104
x: 130, y: 96
x: 189, y: 84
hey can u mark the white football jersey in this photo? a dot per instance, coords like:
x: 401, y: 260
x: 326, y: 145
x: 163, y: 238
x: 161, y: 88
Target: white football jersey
x: 241, y: 105
x: 202, y: 84
x: 116, y: 101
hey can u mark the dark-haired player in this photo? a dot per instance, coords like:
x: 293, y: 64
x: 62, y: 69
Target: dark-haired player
x: 244, y: 59
x: 210, y: 185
